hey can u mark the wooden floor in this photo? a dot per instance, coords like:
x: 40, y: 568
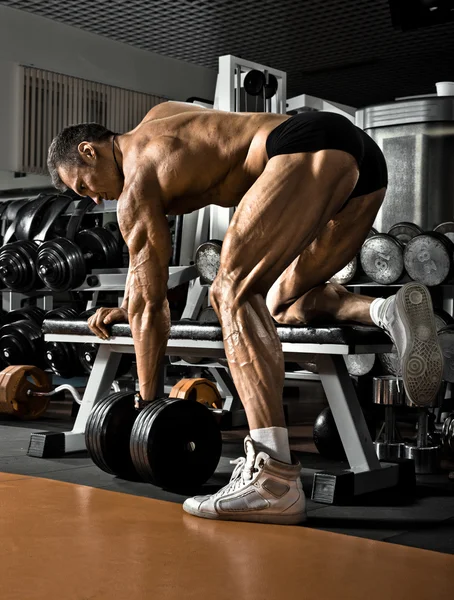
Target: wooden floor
x: 72, y: 542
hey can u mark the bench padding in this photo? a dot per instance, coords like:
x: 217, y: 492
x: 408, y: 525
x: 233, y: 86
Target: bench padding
x: 350, y: 335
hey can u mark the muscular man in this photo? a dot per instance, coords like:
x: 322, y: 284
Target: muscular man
x: 307, y: 190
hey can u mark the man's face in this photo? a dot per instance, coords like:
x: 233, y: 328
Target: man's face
x: 97, y: 177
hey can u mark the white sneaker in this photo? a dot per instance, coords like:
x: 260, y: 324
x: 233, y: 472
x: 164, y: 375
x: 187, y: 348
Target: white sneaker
x: 261, y: 489
x: 408, y: 319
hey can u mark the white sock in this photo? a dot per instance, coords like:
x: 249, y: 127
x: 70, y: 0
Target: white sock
x: 273, y: 441
x: 375, y: 310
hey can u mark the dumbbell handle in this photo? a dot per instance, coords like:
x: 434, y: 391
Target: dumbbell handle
x: 75, y: 394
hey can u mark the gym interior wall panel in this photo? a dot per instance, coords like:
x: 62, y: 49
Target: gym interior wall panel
x: 33, y: 40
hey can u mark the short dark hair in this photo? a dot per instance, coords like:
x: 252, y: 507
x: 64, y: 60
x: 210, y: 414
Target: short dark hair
x: 63, y: 149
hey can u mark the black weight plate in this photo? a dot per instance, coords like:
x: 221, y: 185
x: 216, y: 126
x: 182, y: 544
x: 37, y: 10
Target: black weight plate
x: 113, y: 258
x: 254, y: 81
x: 86, y: 354
x: 137, y: 449
x: 271, y: 86
x: 107, y: 434
x: 30, y: 313
x: 446, y: 229
x: 404, y: 231
x: 21, y: 343
x: 17, y: 266
x: 382, y: 259
x: 113, y: 228
x: 208, y: 260
x: 86, y: 314
x: 100, y: 245
x: 64, y: 313
x: 428, y: 258
x: 62, y: 359
x: 183, y: 444
x: 347, y: 273
x: 60, y: 265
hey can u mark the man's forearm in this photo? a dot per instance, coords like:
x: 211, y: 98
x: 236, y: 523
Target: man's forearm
x: 125, y: 302
x: 150, y: 330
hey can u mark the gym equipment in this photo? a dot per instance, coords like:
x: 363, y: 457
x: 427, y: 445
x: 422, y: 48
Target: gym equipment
x: 428, y: 258
x: 448, y: 432
x: 200, y: 389
x: 381, y: 259
x: 446, y: 229
x: 426, y: 456
x: 63, y: 264
x: 326, y: 435
x: 35, y: 221
x: 29, y: 313
x: 20, y: 387
x: 389, y: 392
x: 86, y: 353
x: 208, y: 260
x: 62, y: 357
x: 176, y: 434
x: 347, y: 273
x: 21, y: 343
x: 208, y: 316
x: 359, y: 364
x: 173, y: 443
x: 404, y: 232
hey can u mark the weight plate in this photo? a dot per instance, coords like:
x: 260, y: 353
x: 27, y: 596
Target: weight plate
x: 17, y: 266
x: 446, y: 229
x: 270, y: 87
x: 15, y: 382
x: 442, y: 318
x: 404, y: 231
x: 372, y: 232
x: 208, y: 260
x: 347, y: 273
x: 99, y: 247
x: 199, y: 390
x: 382, y: 259
x: 359, y: 364
x: 176, y: 444
x: 428, y: 258
x: 21, y: 343
x: 62, y: 359
x: 113, y: 228
x: 60, y: 265
x: 390, y: 363
x: 107, y: 434
x: 86, y: 354
x: 254, y: 81
x: 30, y: 313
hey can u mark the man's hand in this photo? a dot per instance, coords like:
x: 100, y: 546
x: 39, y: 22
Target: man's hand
x: 104, y: 317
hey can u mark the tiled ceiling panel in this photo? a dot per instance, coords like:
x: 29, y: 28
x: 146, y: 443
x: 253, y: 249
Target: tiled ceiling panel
x: 345, y: 51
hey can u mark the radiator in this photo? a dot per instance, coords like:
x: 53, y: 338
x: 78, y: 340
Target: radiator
x: 50, y: 102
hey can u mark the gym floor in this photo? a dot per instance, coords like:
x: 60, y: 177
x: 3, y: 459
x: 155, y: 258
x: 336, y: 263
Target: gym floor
x: 71, y: 530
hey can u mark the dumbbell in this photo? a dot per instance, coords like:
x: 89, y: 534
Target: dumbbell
x: 86, y: 353
x: 425, y: 454
x: 21, y: 339
x: 207, y: 260
x: 351, y: 269
x: 173, y: 443
x: 428, y: 258
x: 382, y: 255
x: 63, y: 264
x: 62, y: 357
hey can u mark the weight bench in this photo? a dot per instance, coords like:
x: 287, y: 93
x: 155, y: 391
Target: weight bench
x: 331, y: 344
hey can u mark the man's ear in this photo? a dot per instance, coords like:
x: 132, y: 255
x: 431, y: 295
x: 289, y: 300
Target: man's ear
x: 87, y: 152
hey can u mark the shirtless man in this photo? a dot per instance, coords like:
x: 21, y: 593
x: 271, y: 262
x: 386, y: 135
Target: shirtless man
x: 307, y: 190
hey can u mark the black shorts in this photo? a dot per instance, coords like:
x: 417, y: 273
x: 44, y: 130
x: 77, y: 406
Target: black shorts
x: 313, y: 131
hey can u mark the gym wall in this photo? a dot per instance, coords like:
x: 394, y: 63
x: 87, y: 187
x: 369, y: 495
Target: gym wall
x: 71, y: 51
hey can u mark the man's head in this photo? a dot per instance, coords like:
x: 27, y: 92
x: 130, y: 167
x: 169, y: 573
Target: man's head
x: 81, y: 158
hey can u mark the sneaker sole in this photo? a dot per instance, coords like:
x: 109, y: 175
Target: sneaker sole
x: 294, y: 519
x: 422, y: 362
